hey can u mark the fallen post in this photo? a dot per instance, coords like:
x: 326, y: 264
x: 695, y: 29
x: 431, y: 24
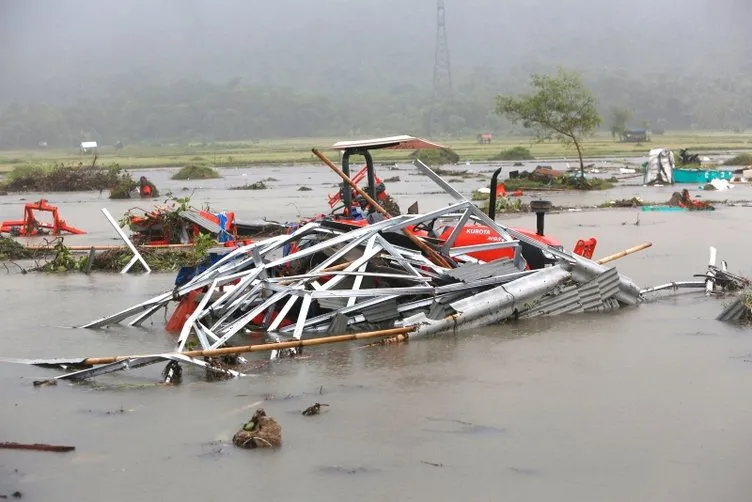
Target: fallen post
x: 37, y: 447
x: 622, y: 254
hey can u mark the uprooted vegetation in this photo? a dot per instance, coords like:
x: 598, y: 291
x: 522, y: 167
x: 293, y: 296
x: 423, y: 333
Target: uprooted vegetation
x: 196, y: 171
x: 67, y: 178
x: 633, y: 202
x: 507, y: 205
x: 259, y: 185
x: 743, y: 159
x: 113, y: 260
x: 438, y: 157
x: 514, y: 153
x: 548, y: 179
x: 12, y: 250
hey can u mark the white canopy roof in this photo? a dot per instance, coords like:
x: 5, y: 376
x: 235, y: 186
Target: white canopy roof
x: 402, y: 142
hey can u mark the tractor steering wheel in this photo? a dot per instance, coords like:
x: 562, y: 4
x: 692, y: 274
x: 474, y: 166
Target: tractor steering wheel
x: 425, y: 225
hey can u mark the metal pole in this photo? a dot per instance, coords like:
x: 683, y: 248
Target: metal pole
x: 136, y: 254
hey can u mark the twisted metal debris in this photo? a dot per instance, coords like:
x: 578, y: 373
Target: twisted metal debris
x: 327, y: 278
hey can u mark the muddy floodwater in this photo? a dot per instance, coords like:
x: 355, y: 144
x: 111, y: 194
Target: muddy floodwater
x: 650, y: 403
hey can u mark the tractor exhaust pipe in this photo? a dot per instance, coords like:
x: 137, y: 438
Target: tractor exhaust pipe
x: 540, y: 208
x: 492, y: 195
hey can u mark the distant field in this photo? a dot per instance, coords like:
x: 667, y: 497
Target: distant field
x: 298, y: 150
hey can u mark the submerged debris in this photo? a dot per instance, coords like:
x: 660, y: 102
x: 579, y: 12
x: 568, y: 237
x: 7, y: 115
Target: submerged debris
x: 259, y: 185
x: 314, y: 409
x: 684, y: 200
x: 261, y: 431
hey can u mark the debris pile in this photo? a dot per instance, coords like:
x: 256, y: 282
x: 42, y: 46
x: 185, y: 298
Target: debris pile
x: 336, y: 279
x: 684, y: 200
x: 261, y: 431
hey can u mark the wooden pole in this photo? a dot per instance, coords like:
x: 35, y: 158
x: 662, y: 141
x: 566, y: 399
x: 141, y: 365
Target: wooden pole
x: 430, y: 252
x: 37, y: 447
x: 264, y: 347
x: 622, y: 254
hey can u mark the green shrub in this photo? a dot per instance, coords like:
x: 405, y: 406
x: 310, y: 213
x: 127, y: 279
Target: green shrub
x: 196, y: 172
x: 743, y: 159
x: 516, y: 153
x: 436, y: 157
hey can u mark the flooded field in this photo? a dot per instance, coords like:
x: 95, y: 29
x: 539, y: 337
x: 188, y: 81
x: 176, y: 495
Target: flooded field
x: 645, y: 404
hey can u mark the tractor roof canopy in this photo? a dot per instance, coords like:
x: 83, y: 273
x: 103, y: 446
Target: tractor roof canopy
x: 402, y: 142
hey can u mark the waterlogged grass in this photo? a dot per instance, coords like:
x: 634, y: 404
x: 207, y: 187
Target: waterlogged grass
x: 298, y: 150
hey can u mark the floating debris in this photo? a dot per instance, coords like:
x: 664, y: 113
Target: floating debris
x: 261, y: 431
x: 36, y: 447
x: 259, y: 185
x: 314, y: 409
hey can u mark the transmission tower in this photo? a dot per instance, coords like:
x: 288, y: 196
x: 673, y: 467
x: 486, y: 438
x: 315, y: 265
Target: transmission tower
x: 442, y: 71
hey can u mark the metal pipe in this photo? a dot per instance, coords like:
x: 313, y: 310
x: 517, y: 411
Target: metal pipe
x: 346, y: 194
x: 371, y: 174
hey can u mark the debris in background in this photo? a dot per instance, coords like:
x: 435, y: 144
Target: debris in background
x: 259, y: 185
x: 314, y: 409
x: 261, y: 431
x: 30, y: 226
x: 684, y: 200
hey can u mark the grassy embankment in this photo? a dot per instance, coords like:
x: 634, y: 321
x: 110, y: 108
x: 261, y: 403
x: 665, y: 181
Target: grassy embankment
x: 298, y: 150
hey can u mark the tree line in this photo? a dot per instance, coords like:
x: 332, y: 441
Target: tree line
x: 205, y: 111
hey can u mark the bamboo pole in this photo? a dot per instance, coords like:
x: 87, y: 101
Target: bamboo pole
x: 108, y: 247
x: 264, y: 347
x: 622, y: 254
x: 430, y: 252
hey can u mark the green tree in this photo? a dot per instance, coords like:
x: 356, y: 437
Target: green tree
x: 619, y: 118
x: 560, y: 107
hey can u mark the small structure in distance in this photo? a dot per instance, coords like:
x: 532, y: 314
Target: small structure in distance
x: 88, y: 147
x: 485, y: 138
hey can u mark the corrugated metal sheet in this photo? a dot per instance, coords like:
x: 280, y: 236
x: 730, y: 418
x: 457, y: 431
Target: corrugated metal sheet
x: 734, y: 312
x: 592, y: 296
x: 381, y: 311
x: 196, y: 218
x: 331, y: 303
x: 470, y: 272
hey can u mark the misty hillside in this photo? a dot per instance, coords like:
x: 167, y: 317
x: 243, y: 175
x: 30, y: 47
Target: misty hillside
x: 58, y: 53
x: 70, y: 48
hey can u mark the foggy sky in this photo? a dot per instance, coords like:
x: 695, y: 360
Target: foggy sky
x: 63, y: 50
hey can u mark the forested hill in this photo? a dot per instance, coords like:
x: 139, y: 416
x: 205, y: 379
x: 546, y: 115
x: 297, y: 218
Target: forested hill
x: 231, y: 69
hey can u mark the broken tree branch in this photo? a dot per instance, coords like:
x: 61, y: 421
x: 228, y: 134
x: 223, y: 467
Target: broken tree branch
x: 37, y: 447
